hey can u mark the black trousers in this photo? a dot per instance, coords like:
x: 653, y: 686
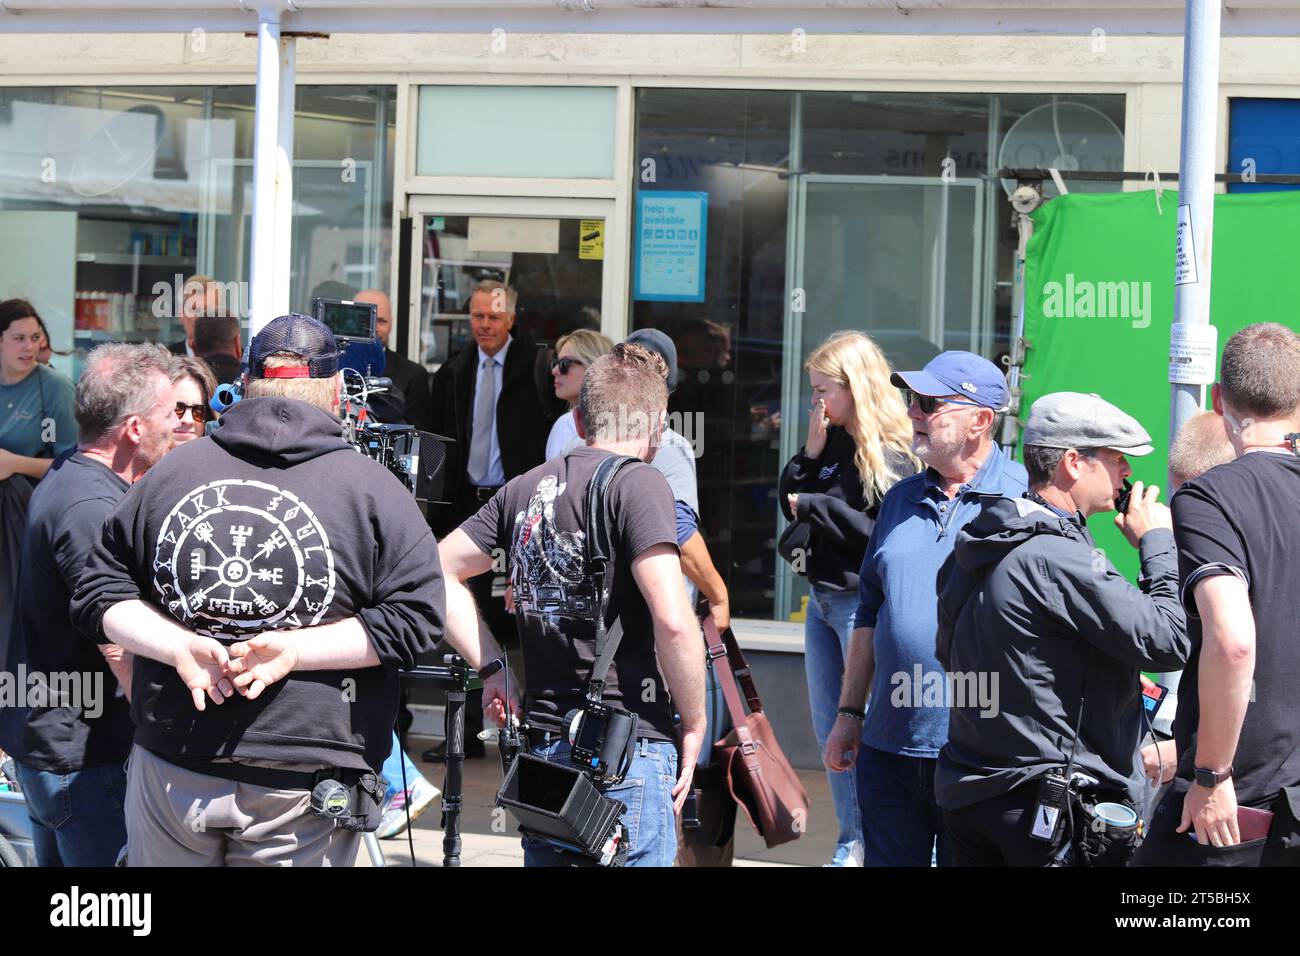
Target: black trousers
x: 995, y: 832
x: 1164, y: 846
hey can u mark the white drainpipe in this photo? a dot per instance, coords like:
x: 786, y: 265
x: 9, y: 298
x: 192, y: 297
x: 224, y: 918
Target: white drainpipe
x: 272, y: 170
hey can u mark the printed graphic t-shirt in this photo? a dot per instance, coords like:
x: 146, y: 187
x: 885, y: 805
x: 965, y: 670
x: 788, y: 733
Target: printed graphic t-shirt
x: 537, y: 519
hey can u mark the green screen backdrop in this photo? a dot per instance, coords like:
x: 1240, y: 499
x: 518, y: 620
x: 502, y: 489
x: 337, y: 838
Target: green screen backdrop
x: 1099, y: 303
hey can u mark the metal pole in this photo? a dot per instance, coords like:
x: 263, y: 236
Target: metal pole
x: 1193, y: 339
x: 265, y: 157
x: 280, y: 278
x: 1193, y: 335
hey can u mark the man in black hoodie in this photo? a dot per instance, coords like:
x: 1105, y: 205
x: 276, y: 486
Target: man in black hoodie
x: 272, y: 570
x: 1042, y: 640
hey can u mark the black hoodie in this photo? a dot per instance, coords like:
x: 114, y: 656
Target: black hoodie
x: 272, y: 523
x: 1028, y: 599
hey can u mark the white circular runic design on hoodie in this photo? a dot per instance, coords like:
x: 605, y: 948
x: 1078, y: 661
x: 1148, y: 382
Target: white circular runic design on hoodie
x: 238, y: 556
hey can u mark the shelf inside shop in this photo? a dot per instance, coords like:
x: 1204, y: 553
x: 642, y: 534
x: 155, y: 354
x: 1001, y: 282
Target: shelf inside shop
x: 126, y: 259
x: 99, y: 336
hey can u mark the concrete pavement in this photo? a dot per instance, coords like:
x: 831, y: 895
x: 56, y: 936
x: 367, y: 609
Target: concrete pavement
x: 488, y: 836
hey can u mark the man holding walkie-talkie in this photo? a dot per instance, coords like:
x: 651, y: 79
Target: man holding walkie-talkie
x: 1031, y: 607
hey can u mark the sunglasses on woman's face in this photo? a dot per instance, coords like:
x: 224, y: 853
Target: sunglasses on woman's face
x: 564, y: 364
x: 198, y: 412
x: 929, y: 404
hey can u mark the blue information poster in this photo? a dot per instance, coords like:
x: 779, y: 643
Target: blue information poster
x: 671, y: 228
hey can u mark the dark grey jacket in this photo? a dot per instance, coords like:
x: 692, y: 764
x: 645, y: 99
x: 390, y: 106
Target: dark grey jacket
x: 1030, y: 602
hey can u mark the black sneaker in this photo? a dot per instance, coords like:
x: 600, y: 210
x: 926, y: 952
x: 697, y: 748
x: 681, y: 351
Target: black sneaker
x: 473, y: 750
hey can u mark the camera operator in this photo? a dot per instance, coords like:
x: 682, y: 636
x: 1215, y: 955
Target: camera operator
x: 277, y: 535
x: 1030, y: 601
x: 1238, y: 531
x: 538, y: 517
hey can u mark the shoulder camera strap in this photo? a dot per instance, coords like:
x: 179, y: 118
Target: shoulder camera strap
x: 597, y: 547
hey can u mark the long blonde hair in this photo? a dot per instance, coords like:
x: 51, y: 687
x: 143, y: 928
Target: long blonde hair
x: 881, y: 424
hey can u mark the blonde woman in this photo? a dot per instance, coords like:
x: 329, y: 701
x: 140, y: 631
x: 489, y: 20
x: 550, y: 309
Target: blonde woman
x: 859, y: 441
x: 574, y: 354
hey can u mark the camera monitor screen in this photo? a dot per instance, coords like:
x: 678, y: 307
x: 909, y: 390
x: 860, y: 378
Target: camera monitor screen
x: 347, y: 320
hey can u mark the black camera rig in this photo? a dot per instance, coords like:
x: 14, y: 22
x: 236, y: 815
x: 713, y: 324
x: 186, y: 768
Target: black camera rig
x: 416, y: 458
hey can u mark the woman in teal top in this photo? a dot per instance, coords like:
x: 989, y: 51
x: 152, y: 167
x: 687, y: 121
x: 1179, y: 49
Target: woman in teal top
x: 36, y: 420
x: 36, y: 423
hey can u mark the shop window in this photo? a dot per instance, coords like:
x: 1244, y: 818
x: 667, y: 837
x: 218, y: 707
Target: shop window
x: 879, y: 212
x: 141, y: 188
x: 1263, y: 139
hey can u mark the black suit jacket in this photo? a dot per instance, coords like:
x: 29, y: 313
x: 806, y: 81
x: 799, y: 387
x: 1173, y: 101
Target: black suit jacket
x: 411, y: 380
x: 523, y: 421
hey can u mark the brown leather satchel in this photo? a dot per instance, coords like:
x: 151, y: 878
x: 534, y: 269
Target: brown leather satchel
x: 758, y: 774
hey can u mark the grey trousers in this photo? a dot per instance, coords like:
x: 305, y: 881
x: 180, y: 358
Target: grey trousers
x: 177, y: 817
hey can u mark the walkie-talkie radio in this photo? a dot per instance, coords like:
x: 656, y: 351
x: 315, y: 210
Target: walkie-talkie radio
x: 1053, y: 790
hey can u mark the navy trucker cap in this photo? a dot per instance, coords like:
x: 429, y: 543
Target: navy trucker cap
x: 298, y: 335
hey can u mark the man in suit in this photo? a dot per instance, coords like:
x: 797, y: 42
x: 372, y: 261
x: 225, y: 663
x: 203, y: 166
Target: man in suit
x: 410, y: 379
x: 486, y: 398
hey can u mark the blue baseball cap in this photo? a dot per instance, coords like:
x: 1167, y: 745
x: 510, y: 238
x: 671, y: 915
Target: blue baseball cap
x: 958, y: 373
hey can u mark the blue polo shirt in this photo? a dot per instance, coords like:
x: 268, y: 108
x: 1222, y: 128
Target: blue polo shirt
x: 897, y: 595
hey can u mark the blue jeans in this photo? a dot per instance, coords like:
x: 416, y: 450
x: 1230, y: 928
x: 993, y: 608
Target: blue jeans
x: 392, y: 770
x: 78, y: 819
x: 648, y: 792
x: 825, y: 648
x: 901, y: 823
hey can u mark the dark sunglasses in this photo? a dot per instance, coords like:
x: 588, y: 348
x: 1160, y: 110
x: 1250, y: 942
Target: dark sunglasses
x: 566, y: 363
x: 929, y: 404
x: 199, y: 412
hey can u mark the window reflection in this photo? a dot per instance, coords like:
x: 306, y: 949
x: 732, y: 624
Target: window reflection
x: 128, y: 192
x: 885, y: 209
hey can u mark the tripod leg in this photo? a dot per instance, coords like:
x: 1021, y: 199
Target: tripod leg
x: 452, y: 786
x: 372, y: 847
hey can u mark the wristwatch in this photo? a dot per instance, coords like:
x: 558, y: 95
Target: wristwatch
x: 490, y: 668
x: 1209, y: 779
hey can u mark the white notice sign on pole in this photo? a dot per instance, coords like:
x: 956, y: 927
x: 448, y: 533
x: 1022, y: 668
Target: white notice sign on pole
x: 1192, y: 351
x: 1185, y: 251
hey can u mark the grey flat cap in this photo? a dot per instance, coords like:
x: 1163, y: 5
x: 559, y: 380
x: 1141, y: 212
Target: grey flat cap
x: 1076, y: 420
